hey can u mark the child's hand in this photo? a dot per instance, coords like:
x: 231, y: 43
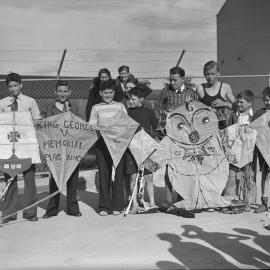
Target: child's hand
x: 219, y: 103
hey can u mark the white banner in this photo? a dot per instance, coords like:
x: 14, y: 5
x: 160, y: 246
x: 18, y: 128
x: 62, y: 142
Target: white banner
x: 17, y: 128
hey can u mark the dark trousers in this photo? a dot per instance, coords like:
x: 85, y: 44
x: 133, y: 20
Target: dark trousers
x: 72, y: 203
x: 169, y: 189
x: 222, y: 124
x: 10, y: 204
x: 108, y: 187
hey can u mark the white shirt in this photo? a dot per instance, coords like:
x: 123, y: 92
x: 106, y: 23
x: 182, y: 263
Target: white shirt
x: 25, y: 104
x: 179, y: 91
x: 244, y: 118
x: 60, y: 105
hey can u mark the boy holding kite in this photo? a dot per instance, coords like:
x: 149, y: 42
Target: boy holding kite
x: 242, y: 116
x: 105, y: 112
x: 147, y: 119
x: 62, y: 105
x: 16, y: 101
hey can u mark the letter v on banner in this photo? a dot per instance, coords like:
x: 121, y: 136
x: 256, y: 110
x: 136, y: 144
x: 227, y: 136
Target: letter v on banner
x: 63, y: 152
x: 117, y: 134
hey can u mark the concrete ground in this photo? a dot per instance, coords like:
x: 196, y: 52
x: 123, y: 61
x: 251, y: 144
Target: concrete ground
x: 152, y: 241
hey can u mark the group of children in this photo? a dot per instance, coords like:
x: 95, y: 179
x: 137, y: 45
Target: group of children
x: 125, y: 95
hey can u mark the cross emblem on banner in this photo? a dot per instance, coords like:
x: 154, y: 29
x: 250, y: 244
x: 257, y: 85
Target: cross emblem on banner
x: 14, y: 136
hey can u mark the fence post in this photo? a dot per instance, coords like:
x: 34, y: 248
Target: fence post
x: 180, y: 58
x: 61, y: 64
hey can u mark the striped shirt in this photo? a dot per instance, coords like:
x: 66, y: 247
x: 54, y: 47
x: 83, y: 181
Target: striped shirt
x: 105, y: 111
x: 25, y: 104
x: 172, y: 99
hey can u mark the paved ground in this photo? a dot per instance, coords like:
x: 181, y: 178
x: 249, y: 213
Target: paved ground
x: 153, y: 241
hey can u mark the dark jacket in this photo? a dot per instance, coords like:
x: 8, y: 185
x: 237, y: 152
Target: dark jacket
x: 120, y: 95
x: 53, y: 110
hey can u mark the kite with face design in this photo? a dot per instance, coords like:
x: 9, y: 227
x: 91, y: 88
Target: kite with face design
x: 197, y: 165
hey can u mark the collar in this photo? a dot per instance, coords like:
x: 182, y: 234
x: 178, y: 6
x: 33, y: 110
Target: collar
x: 18, y: 97
x: 179, y: 91
x: 250, y: 112
x: 67, y: 102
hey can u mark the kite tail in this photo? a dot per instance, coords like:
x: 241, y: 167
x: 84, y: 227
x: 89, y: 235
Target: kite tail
x: 141, y: 187
x: 31, y: 205
x: 132, y: 196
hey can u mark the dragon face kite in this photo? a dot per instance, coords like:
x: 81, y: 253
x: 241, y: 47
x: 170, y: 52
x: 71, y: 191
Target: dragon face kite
x: 197, y: 165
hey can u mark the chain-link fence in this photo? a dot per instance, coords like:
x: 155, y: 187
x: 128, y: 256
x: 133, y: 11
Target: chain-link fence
x: 43, y: 90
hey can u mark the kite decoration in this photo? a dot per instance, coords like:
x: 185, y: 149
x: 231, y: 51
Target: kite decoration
x: 64, y: 139
x: 239, y: 142
x: 197, y: 165
x: 19, y: 147
x: 117, y: 134
x: 262, y: 126
x: 142, y: 146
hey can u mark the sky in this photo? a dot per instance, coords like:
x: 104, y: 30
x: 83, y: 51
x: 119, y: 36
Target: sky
x: 146, y: 35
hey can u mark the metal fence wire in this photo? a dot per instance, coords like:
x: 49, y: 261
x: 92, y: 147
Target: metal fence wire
x: 43, y: 90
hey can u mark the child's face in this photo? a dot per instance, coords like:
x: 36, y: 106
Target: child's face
x: 176, y: 81
x: 266, y: 100
x: 135, y: 101
x: 123, y: 75
x: 243, y: 104
x: 211, y: 75
x: 104, y: 77
x: 14, y: 88
x: 62, y: 92
x: 129, y: 86
x: 107, y: 95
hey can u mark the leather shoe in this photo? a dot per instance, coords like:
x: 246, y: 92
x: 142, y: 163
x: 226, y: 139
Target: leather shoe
x: 79, y: 214
x: 48, y: 216
x: 30, y: 218
x: 6, y: 220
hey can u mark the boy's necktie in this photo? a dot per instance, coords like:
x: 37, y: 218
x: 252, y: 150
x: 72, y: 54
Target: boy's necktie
x: 65, y: 109
x: 14, y: 105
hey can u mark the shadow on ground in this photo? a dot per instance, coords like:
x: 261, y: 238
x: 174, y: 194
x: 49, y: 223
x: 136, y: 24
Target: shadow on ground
x: 195, y: 255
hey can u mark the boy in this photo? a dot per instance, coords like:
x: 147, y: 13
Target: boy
x: 243, y: 116
x: 147, y: 119
x: 19, y: 102
x: 107, y: 109
x: 170, y: 97
x: 173, y: 95
x: 265, y: 182
x: 216, y: 94
x: 62, y: 105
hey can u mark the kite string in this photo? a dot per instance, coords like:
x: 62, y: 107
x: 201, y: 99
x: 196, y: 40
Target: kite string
x: 31, y: 205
